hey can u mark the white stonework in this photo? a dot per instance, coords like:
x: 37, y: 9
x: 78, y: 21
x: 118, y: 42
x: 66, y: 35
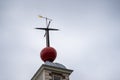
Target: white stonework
x: 48, y: 71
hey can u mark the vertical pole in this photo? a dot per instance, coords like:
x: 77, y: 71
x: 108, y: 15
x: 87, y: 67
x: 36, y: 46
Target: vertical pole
x: 47, y: 35
x: 47, y: 39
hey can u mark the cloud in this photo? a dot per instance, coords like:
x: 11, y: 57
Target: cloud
x: 88, y: 40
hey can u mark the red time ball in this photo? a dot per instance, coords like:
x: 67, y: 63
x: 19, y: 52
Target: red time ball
x: 48, y: 54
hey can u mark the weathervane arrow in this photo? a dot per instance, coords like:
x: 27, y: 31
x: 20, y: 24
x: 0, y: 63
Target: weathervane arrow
x: 47, y: 29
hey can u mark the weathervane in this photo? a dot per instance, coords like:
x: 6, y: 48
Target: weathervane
x: 48, y: 21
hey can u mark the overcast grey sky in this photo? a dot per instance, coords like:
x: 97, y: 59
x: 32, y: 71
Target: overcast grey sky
x: 88, y: 41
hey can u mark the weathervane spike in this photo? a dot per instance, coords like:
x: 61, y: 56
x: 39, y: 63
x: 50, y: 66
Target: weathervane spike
x: 47, y: 30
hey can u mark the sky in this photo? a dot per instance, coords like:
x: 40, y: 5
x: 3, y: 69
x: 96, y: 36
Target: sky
x: 88, y: 41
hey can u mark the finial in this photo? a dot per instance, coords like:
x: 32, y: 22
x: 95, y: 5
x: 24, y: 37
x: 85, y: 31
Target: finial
x: 48, y: 53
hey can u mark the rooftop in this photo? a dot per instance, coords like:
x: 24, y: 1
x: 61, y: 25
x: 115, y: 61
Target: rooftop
x: 55, y: 64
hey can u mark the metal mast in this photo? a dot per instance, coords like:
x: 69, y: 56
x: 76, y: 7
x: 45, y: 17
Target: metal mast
x: 47, y: 29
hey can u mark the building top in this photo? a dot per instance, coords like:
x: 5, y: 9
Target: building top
x: 55, y: 64
x: 54, y: 67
